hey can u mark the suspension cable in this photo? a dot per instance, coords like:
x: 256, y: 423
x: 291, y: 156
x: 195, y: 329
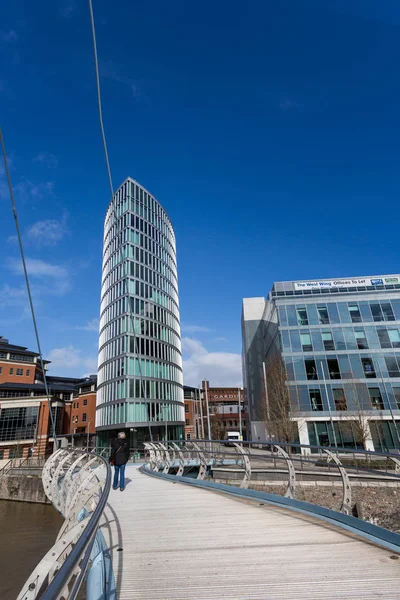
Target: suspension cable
x: 114, y: 200
x: 28, y: 287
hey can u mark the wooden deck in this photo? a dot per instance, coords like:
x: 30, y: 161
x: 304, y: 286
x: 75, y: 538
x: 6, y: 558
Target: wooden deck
x: 171, y: 541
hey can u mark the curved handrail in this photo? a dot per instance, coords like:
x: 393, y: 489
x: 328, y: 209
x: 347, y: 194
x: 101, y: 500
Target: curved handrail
x: 76, y: 563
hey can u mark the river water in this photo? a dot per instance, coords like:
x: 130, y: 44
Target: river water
x: 27, y: 532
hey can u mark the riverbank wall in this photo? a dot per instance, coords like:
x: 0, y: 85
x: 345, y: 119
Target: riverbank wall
x: 22, y: 488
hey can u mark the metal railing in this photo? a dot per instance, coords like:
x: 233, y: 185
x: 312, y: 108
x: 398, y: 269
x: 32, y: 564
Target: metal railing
x: 78, y: 484
x: 285, y: 463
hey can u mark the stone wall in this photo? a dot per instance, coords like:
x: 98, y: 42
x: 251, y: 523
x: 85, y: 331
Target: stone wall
x: 25, y: 488
x: 377, y: 502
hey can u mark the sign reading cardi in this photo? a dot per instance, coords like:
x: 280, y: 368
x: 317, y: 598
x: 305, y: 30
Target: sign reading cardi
x: 353, y: 282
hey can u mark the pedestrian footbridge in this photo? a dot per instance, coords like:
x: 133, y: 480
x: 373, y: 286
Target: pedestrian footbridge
x: 179, y: 537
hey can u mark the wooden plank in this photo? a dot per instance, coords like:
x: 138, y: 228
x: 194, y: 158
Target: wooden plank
x: 180, y: 542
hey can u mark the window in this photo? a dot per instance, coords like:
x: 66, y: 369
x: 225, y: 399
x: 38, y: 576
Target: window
x: 327, y: 340
x: 20, y: 371
x: 376, y: 398
x: 85, y: 402
x: 396, y: 392
x: 84, y: 417
x: 188, y: 436
x: 28, y: 372
x: 387, y: 311
x: 1, y: 370
x: 361, y: 340
x: 302, y: 318
x: 306, y: 344
x: 311, y: 369
x: 11, y: 371
x: 339, y: 399
x: 384, y: 338
x: 3, y: 354
x: 333, y: 368
x: 368, y: 366
x: 186, y: 407
x: 187, y: 421
x: 315, y: 400
x: 355, y: 313
x: 323, y: 315
x: 394, y: 337
x: 377, y: 314
x: 392, y: 366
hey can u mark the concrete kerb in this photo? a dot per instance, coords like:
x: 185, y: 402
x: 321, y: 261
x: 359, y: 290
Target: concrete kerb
x: 372, y: 533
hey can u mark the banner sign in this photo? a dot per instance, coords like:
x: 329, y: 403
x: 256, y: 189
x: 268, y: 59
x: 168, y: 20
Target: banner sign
x: 364, y: 281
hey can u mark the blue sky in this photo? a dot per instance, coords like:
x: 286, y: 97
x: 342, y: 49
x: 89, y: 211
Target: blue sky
x: 268, y: 130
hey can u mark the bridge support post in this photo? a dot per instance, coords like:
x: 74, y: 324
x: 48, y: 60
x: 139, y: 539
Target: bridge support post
x: 346, y: 503
x: 291, y: 486
x: 246, y: 463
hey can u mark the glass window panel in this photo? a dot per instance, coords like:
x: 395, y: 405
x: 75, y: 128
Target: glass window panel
x: 376, y: 311
x: 384, y: 337
x: 368, y: 367
x: 300, y: 372
x: 323, y: 314
x: 322, y: 367
x: 282, y: 316
x: 305, y: 339
x: 339, y: 338
x: 315, y: 399
x: 317, y: 340
x: 291, y: 315
x: 295, y: 340
x: 313, y: 318
x: 365, y: 311
x: 344, y: 312
x: 344, y: 365
x: 333, y: 368
x: 339, y: 399
x: 350, y: 338
x: 354, y: 311
x: 376, y: 398
x: 289, y: 368
x: 392, y: 366
x: 372, y: 338
x: 356, y: 366
x: 285, y: 339
x: 396, y: 393
x: 327, y: 340
x: 311, y: 369
x: 361, y: 339
x: 396, y: 308
x: 333, y: 312
x: 394, y: 336
x: 302, y: 318
x: 387, y: 311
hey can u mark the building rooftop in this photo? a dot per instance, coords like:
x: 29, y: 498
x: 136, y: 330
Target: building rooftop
x: 365, y: 283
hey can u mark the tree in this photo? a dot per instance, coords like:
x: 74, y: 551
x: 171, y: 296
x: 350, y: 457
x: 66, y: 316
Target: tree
x: 358, y: 407
x: 277, y: 409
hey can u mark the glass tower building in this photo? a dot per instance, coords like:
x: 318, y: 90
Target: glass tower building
x: 140, y: 385
x: 340, y: 345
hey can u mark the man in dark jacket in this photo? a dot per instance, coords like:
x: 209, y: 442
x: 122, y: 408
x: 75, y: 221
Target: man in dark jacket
x: 119, y: 457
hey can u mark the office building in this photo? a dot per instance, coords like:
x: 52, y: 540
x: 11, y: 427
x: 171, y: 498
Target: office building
x: 339, y: 344
x: 140, y: 386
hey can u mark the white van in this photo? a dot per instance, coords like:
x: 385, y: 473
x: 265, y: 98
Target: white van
x: 233, y: 436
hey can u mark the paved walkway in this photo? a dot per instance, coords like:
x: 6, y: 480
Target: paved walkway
x: 171, y: 541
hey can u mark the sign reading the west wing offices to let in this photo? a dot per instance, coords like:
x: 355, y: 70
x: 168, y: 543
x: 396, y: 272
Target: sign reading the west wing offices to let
x: 364, y: 281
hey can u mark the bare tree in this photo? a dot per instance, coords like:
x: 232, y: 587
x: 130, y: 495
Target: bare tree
x: 277, y: 409
x: 359, y: 410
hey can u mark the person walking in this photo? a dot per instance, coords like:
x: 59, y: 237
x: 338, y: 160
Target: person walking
x: 118, y: 458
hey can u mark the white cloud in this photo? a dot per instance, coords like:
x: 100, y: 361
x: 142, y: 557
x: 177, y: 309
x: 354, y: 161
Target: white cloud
x: 36, y: 190
x: 65, y: 359
x: 220, y: 368
x: 48, y: 232
x: 92, y: 325
x: 46, y: 159
x: 8, y: 37
x: 56, y: 277
x: 12, y: 296
x: 194, y: 329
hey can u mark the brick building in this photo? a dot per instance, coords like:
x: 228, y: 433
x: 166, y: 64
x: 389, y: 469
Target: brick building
x: 227, y: 409
x: 24, y: 408
x: 192, y: 397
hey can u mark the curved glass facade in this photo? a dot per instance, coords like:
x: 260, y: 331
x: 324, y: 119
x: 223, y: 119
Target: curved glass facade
x: 140, y: 385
